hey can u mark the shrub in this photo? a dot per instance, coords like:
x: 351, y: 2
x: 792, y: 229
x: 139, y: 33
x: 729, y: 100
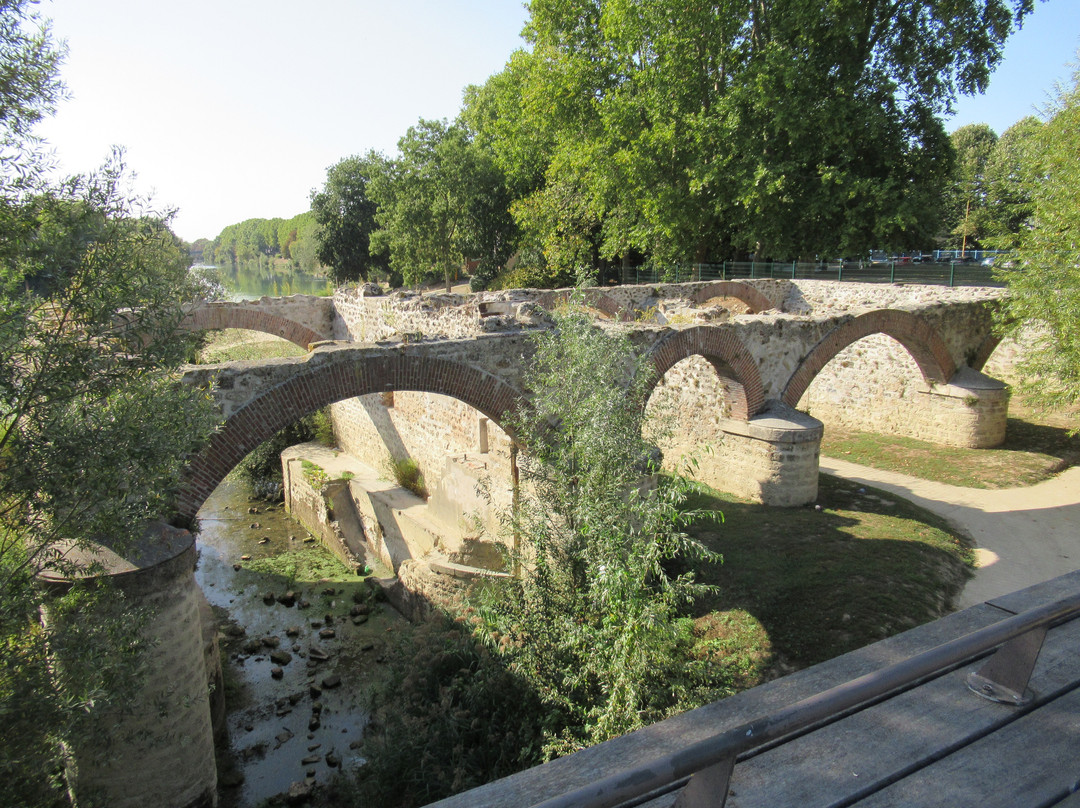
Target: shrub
x: 406, y: 473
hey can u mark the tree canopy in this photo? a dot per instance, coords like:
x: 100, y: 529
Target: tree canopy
x: 345, y: 212
x: 677, y: 131
x: 1044, y: 285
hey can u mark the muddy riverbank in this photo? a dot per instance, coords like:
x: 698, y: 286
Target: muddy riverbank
x: 302, y: 641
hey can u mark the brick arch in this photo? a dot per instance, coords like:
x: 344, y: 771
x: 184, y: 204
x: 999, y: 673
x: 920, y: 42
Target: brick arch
x: 592, y: 298
x: 920, y: 340
x: 316, y: 387
x: 723, y: 350
x: 214, y: 317
x: 752, y: 297
x: 985, y: 351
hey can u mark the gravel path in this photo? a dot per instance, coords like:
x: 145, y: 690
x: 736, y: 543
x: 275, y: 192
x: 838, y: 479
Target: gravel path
x: 1022, y: 536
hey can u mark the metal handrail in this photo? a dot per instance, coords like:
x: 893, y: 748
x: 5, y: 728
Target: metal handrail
x: 716, y: 754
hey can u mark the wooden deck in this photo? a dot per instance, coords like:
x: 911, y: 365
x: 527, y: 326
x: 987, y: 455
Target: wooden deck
x: 934, y: 743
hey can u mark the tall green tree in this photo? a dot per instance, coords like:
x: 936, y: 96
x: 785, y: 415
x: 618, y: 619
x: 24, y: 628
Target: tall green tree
x: 693, y: 131
x: 441, y: 202
x: 1044, y: 286
x: 345, y: 211
x: 1010, y: 185
x: 94, y: 429
x: 969, y: 202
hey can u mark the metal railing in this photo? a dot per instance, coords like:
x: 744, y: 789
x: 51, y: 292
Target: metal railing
x: 939, y: 274
x: 701, y: 771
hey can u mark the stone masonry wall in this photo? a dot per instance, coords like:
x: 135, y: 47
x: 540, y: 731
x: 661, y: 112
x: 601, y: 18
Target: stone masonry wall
x: 159, y: 755
x: 874, y: 385
x: 425, y: 427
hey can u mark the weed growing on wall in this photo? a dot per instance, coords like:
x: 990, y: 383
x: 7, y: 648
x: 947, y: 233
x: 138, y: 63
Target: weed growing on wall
x: 406, y: 473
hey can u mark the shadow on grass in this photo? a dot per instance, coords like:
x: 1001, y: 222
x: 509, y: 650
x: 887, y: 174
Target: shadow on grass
x: 822, y: 582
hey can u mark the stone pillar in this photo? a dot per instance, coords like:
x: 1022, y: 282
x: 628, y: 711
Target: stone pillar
x: 771, y: 458
x: 970, y: 411
x: 158, y: 749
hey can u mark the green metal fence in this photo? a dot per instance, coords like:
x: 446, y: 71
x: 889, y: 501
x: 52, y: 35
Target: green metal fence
x: 954, y: 274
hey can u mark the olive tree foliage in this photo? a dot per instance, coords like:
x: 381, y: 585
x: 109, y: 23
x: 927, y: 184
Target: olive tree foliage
x: 345, y: 211
x: 694, y: 131
x: 94, y: 428
x: 1044, y: 284
x: 591, y: 621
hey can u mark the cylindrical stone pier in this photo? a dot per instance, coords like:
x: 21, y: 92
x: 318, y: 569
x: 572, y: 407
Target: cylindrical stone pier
x: 159, y: 748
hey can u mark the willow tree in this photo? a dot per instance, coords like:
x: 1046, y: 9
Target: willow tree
x: 1044, y: 284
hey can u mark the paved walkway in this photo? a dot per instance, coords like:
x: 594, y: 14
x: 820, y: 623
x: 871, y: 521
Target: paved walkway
x: 1022, y: 536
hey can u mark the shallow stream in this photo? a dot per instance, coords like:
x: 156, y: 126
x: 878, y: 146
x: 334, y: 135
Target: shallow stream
x: 298, y: 717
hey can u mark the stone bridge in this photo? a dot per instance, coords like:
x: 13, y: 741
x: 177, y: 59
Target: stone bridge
x: 301, y: 319
x: 759, y: 347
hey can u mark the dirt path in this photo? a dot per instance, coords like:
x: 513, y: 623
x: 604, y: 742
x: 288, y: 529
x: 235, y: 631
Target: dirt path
x: 1022, y: 536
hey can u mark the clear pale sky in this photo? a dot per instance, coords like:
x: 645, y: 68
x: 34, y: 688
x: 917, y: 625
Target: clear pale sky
x: 234, y: 109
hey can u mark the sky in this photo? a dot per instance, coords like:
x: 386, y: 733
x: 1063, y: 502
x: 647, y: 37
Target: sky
x: 234, y: 109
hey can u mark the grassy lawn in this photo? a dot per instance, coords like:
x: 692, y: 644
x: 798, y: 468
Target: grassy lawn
x: 233, y: 344
x: 1037, y: 446
x: 800, y: 585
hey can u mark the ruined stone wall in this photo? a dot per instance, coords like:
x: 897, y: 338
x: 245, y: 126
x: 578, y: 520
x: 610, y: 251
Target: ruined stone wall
x: 425, y: 427
x: 160, y: 745
x: 874, y: 385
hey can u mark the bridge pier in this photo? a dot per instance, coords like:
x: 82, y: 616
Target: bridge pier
x: 158, y: 747
x: 771, y: 457
x: 971, y: 411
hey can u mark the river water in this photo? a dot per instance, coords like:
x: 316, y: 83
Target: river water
x: 302, y: 721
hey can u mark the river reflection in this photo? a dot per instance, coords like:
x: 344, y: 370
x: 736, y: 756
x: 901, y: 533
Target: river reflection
x: 303, y: 720
x: 249, y: 282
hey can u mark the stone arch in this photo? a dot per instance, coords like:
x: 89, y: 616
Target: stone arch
x: 592, y: 298
x: 752, y: 297
x: 314, y: 388
x: 920, y: 340
x: 218, y: 316
x: 732, y: 361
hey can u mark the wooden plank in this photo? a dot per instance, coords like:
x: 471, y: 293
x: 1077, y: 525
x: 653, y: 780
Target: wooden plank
x: 1039, y: 594
x: 1035, y: 761
x: 1072, y: 801
x: 865, y: 751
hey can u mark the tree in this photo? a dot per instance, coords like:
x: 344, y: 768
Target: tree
x: 441, y: 202
x: 590, y: 622
x: 969, y: 203
x: 1044, y: 286
x: 1010, y: 184
x: 695, y: 131
x: 345, y: 212
x: 94, y: 429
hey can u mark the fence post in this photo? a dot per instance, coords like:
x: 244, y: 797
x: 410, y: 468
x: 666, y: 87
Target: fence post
x: 793, y: 270
x: 892, y: 272
x: 952, y: 274
x: 752, y: 269
x: 840, y: 271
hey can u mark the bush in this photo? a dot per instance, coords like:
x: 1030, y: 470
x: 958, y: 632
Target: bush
x: 451, y: 717
x: 262, y: 467
x: 406, y: 473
